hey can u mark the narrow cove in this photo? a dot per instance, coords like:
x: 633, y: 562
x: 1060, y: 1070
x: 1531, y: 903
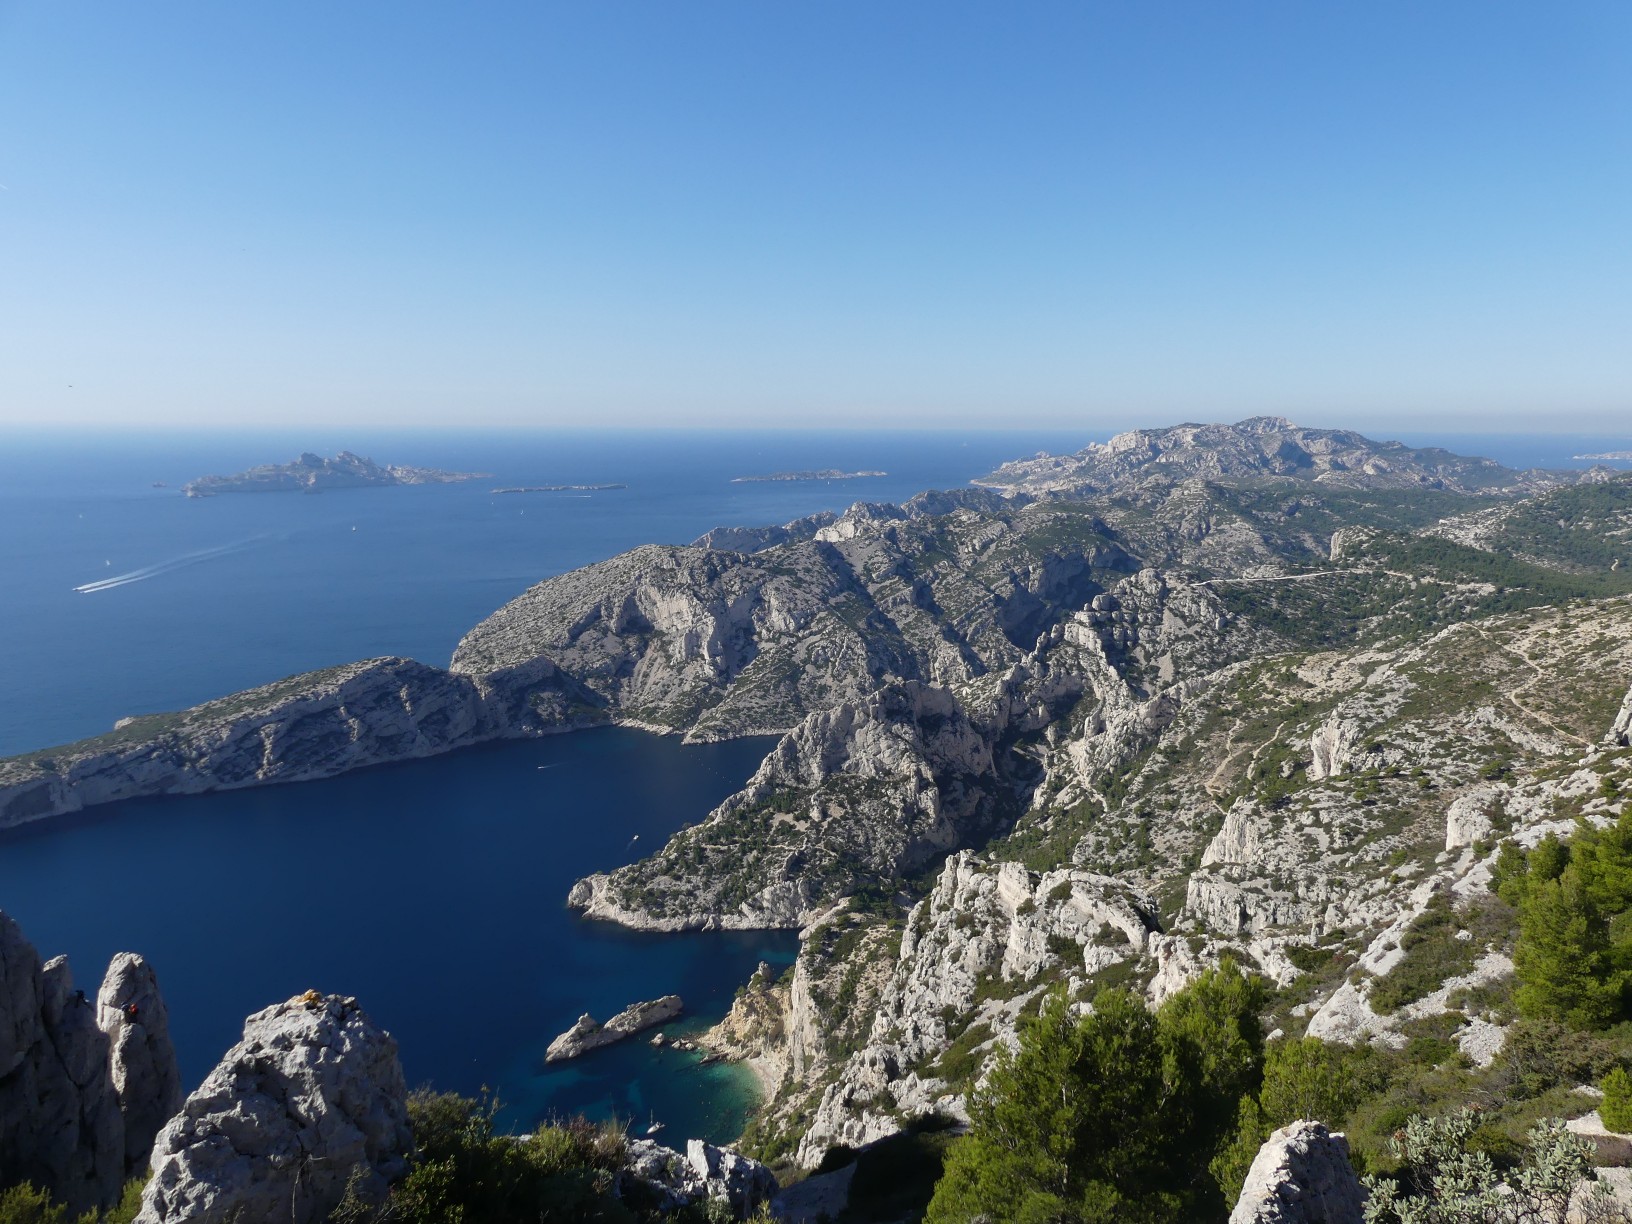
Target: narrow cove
x: 434, y: 892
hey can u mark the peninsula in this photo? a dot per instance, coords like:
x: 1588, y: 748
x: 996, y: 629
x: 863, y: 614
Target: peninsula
x: 314, y: 474
x: 823, y: 474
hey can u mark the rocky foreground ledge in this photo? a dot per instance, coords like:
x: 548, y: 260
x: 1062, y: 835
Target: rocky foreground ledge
x: 590, y: 1034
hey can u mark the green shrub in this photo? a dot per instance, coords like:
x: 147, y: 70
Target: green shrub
x: 1616, y: 1107
x: 25, y: 1205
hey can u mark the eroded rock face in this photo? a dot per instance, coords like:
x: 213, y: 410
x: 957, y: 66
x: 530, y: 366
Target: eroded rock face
x: 60, y: 1125
x: 313, y: 1092
x: 142, y: 1058
x: 1301, y: 1175
x: 862, y: 792
x: 982, y: 921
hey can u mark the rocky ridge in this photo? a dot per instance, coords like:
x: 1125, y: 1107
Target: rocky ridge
x: 1272, y: 705
x: 309, y: 726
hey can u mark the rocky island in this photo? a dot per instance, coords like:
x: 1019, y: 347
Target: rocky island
x: 314, y: 474
x: 823, y: 474
x: 590, y: 1034
x: 578, y: 488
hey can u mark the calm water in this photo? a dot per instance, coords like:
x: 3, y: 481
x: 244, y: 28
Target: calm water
x: 431, y: 890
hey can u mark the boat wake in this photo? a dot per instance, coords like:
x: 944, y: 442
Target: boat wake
x: 165, y: 567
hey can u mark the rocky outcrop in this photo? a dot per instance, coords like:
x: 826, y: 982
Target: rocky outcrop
x: 311, y: 1096
x: 1331, y: 746
x: 142, y: 1059
x: 1620, y: 733
x: 1301, y: 1175
x: 308, y: 726
x: 756, y: 1029
x: 60, y: 1125
x: 704, y: 1173
x: 589, y: 1033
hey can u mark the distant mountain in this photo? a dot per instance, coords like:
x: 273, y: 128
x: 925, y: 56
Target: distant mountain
x: 313, y: 474
x: 1257, y: 448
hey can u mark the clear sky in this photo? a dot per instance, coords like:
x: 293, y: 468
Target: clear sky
x: 1094, y: 212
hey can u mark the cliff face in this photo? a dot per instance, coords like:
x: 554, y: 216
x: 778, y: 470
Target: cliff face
x: 866, y: 792
x: 308, y: 726
x: 716, y: 643
x: 82, y: 1087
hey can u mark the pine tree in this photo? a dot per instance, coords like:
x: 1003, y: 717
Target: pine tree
x: 1616, y: 1108
x: 1113, y: 1116
x: 1305, y: 1078
x: 1562, y: 960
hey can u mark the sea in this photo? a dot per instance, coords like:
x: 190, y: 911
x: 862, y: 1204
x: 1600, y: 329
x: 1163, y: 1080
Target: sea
x: 434, y: 890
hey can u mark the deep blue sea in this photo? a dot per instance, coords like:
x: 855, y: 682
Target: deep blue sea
x: 433, y: 890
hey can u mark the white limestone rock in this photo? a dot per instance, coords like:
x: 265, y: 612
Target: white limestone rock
x: 703, y: 1173
x: 1468, y: 819
x: 1301, y: 1175
x: 313, y: 1092
x: 60, y: 1125
x: 1620, y: 732
x: 309, y: 726
x: 130, y: 1010
x: 588, y: 1034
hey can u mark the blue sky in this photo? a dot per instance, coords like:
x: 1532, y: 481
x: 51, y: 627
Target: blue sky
x: 1088, y: 213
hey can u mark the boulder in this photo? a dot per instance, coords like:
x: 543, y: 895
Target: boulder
x: 312, y: 1095
x: 130, y: 1010
x: 1301, y: 1175
x: 670, y: 1181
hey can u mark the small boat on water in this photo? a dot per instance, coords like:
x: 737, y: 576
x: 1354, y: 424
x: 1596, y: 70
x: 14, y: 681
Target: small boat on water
x: 655, y: 1126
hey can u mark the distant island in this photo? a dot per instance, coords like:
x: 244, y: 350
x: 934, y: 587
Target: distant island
x: 315, y: 474
x: 1622, y: 455
x: 824, y: 474
x: 594, y: 488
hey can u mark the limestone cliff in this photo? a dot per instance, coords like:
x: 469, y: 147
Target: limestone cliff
x: 142, y: 1058
x: 308, y: 726
x: 868, y: 791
